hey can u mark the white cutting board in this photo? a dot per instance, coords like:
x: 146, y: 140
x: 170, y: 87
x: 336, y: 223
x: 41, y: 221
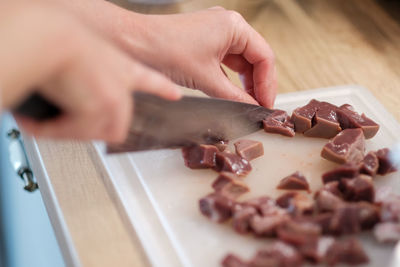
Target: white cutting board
x: 159, y: 195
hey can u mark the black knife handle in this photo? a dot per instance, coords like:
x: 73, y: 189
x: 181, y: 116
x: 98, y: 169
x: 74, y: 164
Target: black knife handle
x: 38, y: 108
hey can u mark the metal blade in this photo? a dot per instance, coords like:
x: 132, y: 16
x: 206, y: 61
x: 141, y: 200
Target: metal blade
x: 159, y: 123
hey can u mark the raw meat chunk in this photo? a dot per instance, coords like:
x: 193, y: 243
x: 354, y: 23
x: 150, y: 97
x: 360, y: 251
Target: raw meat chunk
x: 228, y: 185
x: 249, y: 149
x: 216, y: 207
x: 348, y: 146
x: 333, y: 187
x: 226, y: 161
x: 358, y: 189
x: 299, y: 233
x: 242, y: 215
x: 277, y: 254
x: 324, y: 123
x: 315, y: 252
x: 295, y: 181
x: 260, y: 203
x: 347, y: 251
x: 302, y: 116
x: 327, y: 201
x: 267, y: 225
x: 387, y: 232
x: 344, y: 171
x: 279, y: 122
x: 199, y: 157
x: 348, y: 118
x: 368, y: 215
x: 345, y: 220
x: 385, y: 164
x: 221, y: 145
x: 324, y: 221
x: 370, y: 164
x: 232, y: 260
x: 296, y: 203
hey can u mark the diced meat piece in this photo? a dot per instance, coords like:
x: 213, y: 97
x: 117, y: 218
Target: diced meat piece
x: 221, y: 145
x: 347, y: 251
x: 232, y: 260
x: 228, y: 185
x: 344, y: 171
x: 280, y: 123
x: 299, y: 233
x: 324, y: 221
x: 229, y: 162
x: 347, y: 106
x: 326, y: 201
x: 385, y: 164
x: 348, y: 146
x: 387, y: 232
x: 324, y: 122
x: 358, y: 189
x: 242, y: 215
x: 277, y: 254
x: 223, y: 179
x: 348, y: 118
x: 267, y: 225
x: 302, y: 116
x: 296, y: 203
x: 199, y: 157
x: 249, y: 149
x: 390, y: 209
x: 333, y: 187
x: 370, y: 164
x: 295, y: 181
x: 368, y: 215
x: 216, y: 207
x: 345, y: 220
x: 315, y: 252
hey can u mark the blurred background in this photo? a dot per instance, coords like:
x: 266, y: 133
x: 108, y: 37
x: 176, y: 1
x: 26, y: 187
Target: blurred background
x: 317, y: 43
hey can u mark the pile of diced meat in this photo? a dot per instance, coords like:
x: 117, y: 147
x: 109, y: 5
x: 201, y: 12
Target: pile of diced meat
x: 306, y: 226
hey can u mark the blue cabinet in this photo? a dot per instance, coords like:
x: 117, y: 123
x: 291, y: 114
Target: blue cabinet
x: 26, y: 235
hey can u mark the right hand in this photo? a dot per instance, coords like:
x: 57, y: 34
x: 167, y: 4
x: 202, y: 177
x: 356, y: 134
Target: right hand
x: 88, y: 78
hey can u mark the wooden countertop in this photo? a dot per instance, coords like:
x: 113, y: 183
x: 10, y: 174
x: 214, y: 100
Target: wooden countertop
x: 317, y: 44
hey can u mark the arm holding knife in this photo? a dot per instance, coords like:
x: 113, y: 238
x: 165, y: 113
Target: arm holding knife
x: 86, y: 56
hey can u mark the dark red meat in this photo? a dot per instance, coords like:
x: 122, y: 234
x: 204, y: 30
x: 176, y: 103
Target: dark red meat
x: 267, y: 225
x: 316, y: 251
x: 229, y: 162
x: 344, y: 171
x: 242, y: 215
x: 232, y: 260
x: 360, y: 188
x: 229, y: 186
x: 199, y: 157
x: 370, y: 164
x: 385, y: 164
x: 249, y: 149
x: 368, y: 215
x: 280, y: 123
x: 299, y: 233
x: 348, y: 118
x: 277, y: 254
x: 347, y: 147
x: 302, y: 116
x: 295, y: 181
x: 216, y: 207
x: 324, y: 122
x: 345, y: 220
x: 327, y: 201
x: 347, y: 251
x: 296, y: 203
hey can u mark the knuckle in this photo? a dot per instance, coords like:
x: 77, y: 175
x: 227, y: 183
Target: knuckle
x: 234, y: 16
x: 110, y: 102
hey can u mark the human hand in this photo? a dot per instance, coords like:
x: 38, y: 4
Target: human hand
x: 189, y: 48
x: 87, y: 77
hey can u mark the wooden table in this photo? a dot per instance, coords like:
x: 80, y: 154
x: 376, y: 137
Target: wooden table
x: 317, y: 44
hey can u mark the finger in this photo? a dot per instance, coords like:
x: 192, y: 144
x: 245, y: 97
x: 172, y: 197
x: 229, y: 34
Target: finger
x: 218, y: 85
x: 150, y: 81
x: 244, y: 68
x: 257, y: 52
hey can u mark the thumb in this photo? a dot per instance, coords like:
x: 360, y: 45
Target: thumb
x: 219, y: 85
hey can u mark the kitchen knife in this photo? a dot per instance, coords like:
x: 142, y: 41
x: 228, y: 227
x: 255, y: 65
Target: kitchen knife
x: 159, y: 123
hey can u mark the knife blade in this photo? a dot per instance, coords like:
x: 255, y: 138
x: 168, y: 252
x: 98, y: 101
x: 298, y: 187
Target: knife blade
x: 159, y: 123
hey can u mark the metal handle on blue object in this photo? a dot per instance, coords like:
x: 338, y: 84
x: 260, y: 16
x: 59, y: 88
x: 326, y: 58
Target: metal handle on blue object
x: 19, y: 160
